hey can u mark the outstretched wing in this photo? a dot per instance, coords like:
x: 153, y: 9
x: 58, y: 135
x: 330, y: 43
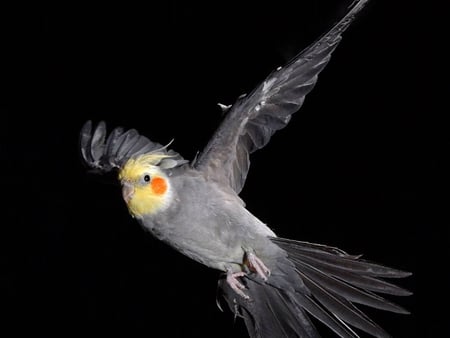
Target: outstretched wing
x: 105, y: 153
x: 253, y: 119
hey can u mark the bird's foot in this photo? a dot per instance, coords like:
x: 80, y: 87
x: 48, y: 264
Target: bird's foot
x: 235, y: 284
x: 256, y: 265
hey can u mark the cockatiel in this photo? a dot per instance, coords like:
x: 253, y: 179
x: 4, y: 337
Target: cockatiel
x: 276, y: 285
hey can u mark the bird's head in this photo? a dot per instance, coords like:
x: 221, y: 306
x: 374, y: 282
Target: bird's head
x: 145, y: 186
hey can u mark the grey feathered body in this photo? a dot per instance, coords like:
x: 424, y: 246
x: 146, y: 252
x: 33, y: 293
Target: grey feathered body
x: 219, y: 229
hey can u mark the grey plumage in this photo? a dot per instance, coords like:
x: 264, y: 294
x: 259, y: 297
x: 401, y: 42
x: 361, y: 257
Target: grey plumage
x: 326, y: 297
x: 253, y: 119
x: 204, y: 218
x: 103, y: 154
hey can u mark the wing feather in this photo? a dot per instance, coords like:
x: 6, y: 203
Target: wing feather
x: 253, y: 119
x: 104, y: 154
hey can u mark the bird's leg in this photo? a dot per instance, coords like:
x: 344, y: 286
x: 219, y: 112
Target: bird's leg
x: 235, y: 284
x: 256, y: 265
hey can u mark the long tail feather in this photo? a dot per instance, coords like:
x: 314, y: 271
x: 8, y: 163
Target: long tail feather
x: 332, y: 287
x: 318, y: 281
x: 356, y: 279
x: 268, y: 313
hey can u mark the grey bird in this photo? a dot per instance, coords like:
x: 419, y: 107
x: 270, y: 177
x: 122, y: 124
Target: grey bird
x: 280, y: 287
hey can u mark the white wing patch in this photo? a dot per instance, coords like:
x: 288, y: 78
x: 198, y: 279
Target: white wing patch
x: 260, y: 105
x: 268, y: 84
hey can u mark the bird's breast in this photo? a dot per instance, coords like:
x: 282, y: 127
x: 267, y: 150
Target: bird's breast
x: 207, y: 224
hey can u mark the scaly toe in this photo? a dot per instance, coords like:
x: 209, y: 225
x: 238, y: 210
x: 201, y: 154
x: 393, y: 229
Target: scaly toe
x: 235, y: 284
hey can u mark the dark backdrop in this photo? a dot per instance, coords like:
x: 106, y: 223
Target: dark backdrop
x: 362, y: 166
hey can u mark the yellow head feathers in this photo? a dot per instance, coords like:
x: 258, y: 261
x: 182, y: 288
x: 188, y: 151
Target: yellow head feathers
x: 134, y: 167
x: 145, y: 186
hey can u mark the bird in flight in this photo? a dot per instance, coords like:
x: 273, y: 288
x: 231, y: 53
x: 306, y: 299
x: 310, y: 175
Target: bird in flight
x: 280, y: 287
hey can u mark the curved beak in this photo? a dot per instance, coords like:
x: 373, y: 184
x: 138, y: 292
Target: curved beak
x: 127, y: 191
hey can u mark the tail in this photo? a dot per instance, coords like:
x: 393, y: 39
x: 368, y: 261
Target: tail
x: 323, y: 283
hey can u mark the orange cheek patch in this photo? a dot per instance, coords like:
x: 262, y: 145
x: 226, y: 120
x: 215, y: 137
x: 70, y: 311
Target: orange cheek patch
x: 159, y: 185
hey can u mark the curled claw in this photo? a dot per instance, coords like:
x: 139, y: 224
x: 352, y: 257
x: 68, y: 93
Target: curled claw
x: 255, y: 264
x: 235, y: 284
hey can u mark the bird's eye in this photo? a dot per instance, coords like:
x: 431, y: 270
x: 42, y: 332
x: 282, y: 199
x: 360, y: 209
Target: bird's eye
x: 146, y: 178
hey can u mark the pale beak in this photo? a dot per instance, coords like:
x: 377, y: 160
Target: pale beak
x: 127, y: 191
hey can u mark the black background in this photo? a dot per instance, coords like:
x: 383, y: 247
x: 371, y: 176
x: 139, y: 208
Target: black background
x: 362, y: 166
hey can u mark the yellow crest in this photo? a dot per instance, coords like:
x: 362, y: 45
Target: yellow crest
x: 134, y: 167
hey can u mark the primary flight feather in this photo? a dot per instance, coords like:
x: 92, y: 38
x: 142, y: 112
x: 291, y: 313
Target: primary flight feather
x: 276, y: 285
